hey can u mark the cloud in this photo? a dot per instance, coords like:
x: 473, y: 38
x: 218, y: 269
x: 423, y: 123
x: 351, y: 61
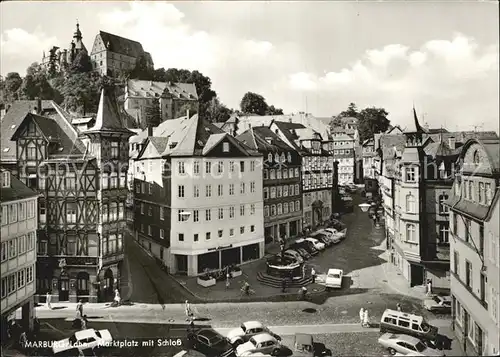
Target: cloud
x: 18, y: 44
x: 443, y: 77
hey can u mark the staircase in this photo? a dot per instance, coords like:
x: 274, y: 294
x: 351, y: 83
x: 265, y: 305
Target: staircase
x: 276, y: 282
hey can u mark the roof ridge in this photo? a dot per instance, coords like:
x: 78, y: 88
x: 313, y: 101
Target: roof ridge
x: 112, y: 34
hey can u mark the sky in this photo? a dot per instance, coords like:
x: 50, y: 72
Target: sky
x: 441, y: 57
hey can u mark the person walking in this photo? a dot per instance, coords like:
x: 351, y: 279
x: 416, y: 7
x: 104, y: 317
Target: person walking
x: 361, y: 316
x: 313, y: 275
x: 84, y: 322
x: 366, y: 319
x: 228, y: 282
x: 429, y: 287
x: 48, y: 299
x: 398, y: 306
x: 79, y: 307
x: 23, y: 340
x: 117, y: 298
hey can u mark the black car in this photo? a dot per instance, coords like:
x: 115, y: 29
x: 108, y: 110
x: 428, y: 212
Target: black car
x: 322, y: 238
x: 303, y: 253
x: 211, y: 343
x: 308, y: 246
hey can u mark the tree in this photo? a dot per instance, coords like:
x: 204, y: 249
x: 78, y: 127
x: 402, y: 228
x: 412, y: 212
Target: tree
x: 11, y: 85
x: 352, y: 111
x: 153, y: 114
x: 36, y: 84
x: 81, y: 91
x: 253, y: 103
x: 271, y: 110
x: 82, y: 63
x: 217, y: 112
x: 142, y: 70
x: 372, y: 121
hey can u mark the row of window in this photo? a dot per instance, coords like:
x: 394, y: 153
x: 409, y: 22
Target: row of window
x: 281, y: 208
x: 183, y: 215
x: 480, y: 192
x: 69, y: 245
x: 110, y: 181
x: 15, y: 212
x: 209, y: 165
x: 208, y: 235
x: 343, y: 152
x: 17, y: 246
x: 181, y: 190
x: 349, y: 168
x: 281, y: 191
x: 273, y: 174
x: 279, y: 158
x: 317, y: 162
x: 313, y: 181
x: 17, y: 280
x: 113, y: 211
x: 112, y: 244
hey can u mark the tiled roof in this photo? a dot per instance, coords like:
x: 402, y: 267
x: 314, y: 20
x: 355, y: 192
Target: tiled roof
x: 343, y: 138
x: 257, y: 138
x: 121, y: 45
x: 152, y: 89
x: 10, y: 122
x: 160, y: 143
x: 16, y: 191
x: 440, y: 148
x: 191, y: 136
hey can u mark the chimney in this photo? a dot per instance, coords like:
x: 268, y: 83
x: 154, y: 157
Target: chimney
x: 452, y: 142
x: 39, y: 105
x: 187, y: 113
x: 150, y: 130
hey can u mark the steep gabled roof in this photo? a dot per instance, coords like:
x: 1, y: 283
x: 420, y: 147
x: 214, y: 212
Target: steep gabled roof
x: 121, y: 45
x: 108, y: 115
x: 257, y: 138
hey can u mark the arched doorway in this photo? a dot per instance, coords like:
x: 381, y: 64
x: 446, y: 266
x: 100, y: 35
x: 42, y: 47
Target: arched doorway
x: 108, y: 284
x: 63, y: 287
x: 82, y: 286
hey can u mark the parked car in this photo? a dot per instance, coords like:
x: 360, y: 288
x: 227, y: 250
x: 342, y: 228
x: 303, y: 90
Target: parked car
x: 352, y: 186
x: 334, y: 278
x: 317, y: 244
x: 263, y: 343
x: 301, y: 251
x: 438, y: 304
x: 247, y: 330
x: 338, y: 225
x: 307, y: 246
x: 333, y: 235
x: 211, y: 343
x: 407, y: 344
x: 294, y: 254
x: 323, y: 237
x: 83, y: 340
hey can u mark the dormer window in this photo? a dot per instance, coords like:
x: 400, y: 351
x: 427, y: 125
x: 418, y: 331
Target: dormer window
x: 283, y: 157
x: 270, y: 157
x: 225, y: 147
x: 289, y: 157
x: 5, y: 179
x: 276, y: 157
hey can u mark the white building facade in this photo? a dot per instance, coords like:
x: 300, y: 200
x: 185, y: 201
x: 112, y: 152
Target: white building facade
x: 19, y: 224
x: 198, y: 198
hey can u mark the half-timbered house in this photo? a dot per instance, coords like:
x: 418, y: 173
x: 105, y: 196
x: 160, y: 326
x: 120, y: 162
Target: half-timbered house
x: 82, y: 178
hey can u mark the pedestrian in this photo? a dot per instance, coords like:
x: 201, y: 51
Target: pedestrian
x: 23, y: 340
x: 48, y: 299
x: 313, y: 274
x: 366, y: 319
x: 79, y: 307
x: 117, y: 298
x: 283, y: 285
x: 228, y: 281
x: 84, y: 322
x: 398, y: 306
x: 187, y: 310
x: 361, y: 316
x: 429, y: 287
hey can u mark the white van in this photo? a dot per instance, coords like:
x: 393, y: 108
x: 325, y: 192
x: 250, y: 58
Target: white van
x: 402, y: 322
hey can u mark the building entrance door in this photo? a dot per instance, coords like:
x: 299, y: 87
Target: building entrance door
x: 64, y: 288
x: 417, y: 275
